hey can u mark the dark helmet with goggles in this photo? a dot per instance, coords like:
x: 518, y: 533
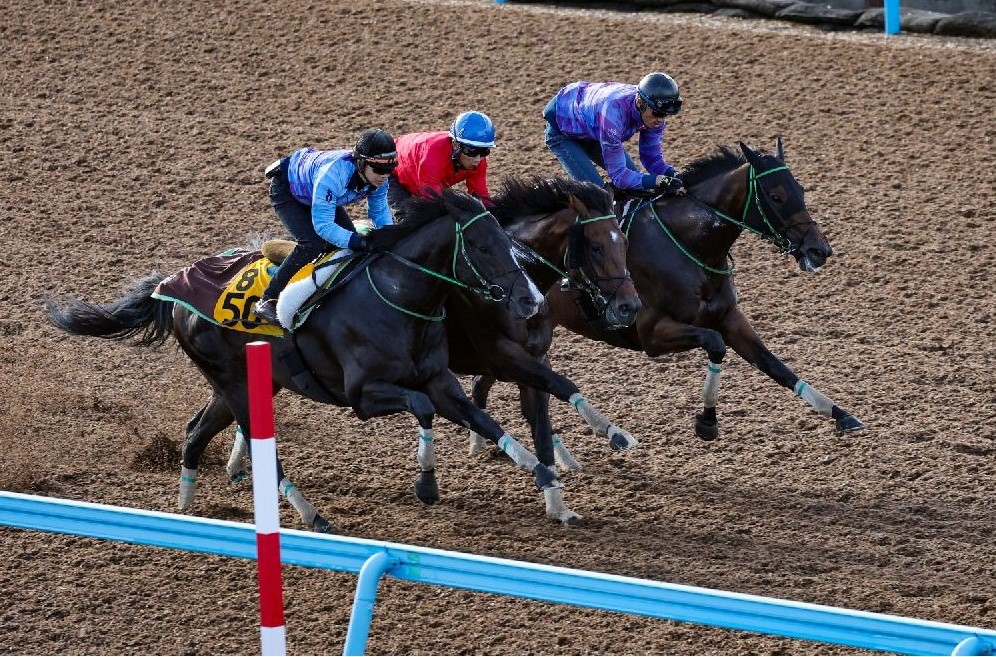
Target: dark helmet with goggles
x: 659, y: 92
x: 376, y: 148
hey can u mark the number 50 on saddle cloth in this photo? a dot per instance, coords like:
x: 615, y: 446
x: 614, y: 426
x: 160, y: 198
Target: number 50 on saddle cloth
x: 223, y: 288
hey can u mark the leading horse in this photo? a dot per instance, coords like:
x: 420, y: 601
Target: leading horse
x: 679, y: 256
x: 377, y: 345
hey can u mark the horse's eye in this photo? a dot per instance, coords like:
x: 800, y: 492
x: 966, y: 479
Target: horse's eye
x: 597, y: 249
x: 776, y: 198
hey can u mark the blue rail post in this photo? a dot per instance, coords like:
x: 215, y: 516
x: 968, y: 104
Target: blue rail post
x: 363, y: 603
x: 891, y: 16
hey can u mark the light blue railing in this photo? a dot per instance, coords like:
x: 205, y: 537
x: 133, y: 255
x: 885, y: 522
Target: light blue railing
x: 372, y: 559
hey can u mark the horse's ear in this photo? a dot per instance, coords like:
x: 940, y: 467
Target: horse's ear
x: 779, y: 148
x: 751, y: 156
x: 576, y: 205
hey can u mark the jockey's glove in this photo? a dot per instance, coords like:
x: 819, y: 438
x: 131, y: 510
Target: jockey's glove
x: 359, y: 243
x: 672, y: 184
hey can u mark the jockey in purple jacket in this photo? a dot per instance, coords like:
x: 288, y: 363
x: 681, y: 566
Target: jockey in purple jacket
x: 587, y: 123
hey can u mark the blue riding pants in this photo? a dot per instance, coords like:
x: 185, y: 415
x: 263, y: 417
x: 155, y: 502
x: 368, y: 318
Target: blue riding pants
x: 296, y: 217
x: 578, y: 156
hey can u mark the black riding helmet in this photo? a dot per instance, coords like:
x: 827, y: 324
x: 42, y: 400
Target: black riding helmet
x: 377, y: 148
x: 660, y: 92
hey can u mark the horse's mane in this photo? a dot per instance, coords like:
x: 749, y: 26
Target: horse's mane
x: 519, y: 197
x: 721, y: 160
x: 419, y: 211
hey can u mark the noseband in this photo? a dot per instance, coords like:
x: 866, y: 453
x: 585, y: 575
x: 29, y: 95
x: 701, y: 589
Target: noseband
x: 574, y: 276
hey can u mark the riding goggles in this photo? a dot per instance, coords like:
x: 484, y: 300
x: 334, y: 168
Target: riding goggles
x: 666, y: 108
x: 382, y: 167
x: 475, y: 151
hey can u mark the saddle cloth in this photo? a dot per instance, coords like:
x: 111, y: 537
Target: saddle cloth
x: 223, y: 288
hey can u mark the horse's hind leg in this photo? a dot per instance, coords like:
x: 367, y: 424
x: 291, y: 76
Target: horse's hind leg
x: 205, y: 425
x: 479, y: 392
x: 238, y: 461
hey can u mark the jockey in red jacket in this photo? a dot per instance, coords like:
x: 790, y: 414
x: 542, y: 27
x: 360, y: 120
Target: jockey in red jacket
x: 437, y: 160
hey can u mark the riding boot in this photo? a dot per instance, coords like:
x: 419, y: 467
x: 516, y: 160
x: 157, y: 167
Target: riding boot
x: 266, y: 310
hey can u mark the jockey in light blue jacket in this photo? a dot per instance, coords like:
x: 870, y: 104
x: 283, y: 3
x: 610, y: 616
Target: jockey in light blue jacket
x: 308, y: 191
x: 327, y: 180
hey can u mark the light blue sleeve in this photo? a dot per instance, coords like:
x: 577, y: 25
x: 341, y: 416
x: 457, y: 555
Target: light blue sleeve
x: 330, y: 189
x: 377, y: 209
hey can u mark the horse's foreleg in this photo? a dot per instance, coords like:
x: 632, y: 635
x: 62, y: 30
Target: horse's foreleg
x: 452, y: 403
x: 479, y: 391
x: 670, y: 336
x: 745, y: 341
x: 536, y: 409
x: 381, y: 398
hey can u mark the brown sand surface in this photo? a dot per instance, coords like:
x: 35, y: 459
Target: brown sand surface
x: 133, y: 137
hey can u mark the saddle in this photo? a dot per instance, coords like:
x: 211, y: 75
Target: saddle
x: 223, y: 288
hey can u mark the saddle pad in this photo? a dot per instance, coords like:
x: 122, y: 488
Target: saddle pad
x: 223, y: 288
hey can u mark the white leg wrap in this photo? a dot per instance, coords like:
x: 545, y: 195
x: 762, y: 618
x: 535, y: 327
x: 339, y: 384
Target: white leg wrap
x: 303, y: 506
x: 555, y: 507
x: 710, y: 389
x: 814, y: 398
x: 240, y: 452
x: 517, y: 452
x: 598, y: 422
x: 562, y: 457
x: 426, y: 450
x: 477, y: 443
x: 188, y: 485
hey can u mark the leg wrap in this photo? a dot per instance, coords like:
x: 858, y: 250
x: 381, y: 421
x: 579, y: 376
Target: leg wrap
x: 598, y: 422
x: 426, y: 450
x: 517, y: 452
x: 303, y: 506
x: 710, y: 389
x: 188, y: 484
x: 814, y: 398
x: 240, y: 450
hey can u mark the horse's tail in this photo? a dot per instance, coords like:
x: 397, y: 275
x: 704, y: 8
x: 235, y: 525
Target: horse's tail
x: 133, y: 314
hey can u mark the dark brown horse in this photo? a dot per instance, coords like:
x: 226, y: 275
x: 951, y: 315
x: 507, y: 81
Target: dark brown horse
x: 377, y: 345
x: 570, y: 236
x: 679, y: 258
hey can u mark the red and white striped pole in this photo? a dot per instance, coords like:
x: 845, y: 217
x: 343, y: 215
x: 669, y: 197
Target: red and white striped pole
x: 273, y: 638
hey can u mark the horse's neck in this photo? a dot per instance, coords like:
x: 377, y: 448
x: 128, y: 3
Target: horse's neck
x: 706, y: 222
x: 405, y: 285
x: 547, y: 238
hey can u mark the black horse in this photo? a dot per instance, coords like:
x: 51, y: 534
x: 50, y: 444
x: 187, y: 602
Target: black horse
x: 679, y: 258
x: 376, y: 345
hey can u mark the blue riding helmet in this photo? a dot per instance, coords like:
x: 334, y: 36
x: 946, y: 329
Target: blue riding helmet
x: 660, y: 92
x: 473, y: 129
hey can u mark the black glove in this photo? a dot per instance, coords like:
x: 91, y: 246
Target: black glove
x: 671, y: 184
x: 359, y: 243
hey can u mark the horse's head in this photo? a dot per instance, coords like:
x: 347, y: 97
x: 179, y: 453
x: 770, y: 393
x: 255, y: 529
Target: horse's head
x: 480, y: 257
x: 775, y: 205
x: 595, y: 256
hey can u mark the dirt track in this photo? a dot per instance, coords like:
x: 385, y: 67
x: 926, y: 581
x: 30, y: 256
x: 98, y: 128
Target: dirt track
x: 133, y: 138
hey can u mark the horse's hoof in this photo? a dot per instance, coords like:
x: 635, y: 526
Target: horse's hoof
x: 321, y: 525
x: 568, y: 518
x: 238, y: 478
x: 705, y: 428
x: 620, y: 440
x: 849, y: 423
x: 426, y: 489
